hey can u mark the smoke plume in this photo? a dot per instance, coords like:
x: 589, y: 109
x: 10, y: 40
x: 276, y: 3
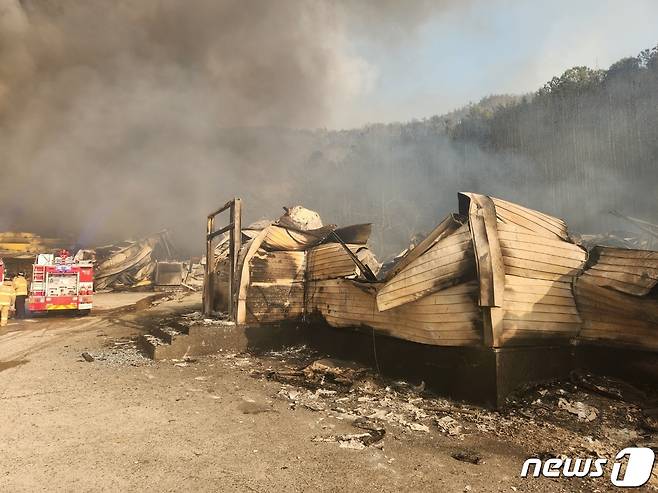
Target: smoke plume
x: 114, y: 115
x: 121, y: 118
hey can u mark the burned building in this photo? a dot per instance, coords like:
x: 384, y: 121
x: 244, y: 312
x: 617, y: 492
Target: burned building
x: 496, y: 296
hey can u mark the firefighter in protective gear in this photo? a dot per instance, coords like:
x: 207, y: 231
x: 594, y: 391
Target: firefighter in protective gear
x: 20, y: 287
x: 7, y: 300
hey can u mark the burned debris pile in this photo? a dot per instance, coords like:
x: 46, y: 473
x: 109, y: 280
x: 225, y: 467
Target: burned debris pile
x: 493, y: 276
x: 28, y: 243
x: 278, y: 257
x: 149, y: 262
x: 135, y: 264
x: 358, y: 408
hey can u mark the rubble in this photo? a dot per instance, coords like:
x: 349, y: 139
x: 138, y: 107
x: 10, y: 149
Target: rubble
x: 370, y: 402
x: 608, y: 386
x: 333, y: 371
x: 119, y: 353
x: 581, y: 410
x: 356, y: 441
x: 449, y: 425
x: 467, y: 456
x: 130, y: 264
x: 18, y: 249
x: 194, y: 274
x: 650, y: 419
x: 299, y: 217
x: 21, y: 243
x: 197, y: 318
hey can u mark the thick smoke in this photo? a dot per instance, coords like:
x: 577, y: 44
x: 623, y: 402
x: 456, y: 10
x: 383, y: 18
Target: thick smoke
x: 120, y: 119
x: 113, y: 115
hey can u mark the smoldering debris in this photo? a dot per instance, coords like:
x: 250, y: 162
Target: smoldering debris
x: 357, y: 441
x: 579, y: 409
x: 534, y: 418
x: 611, y: 387
x: 130, y: 93
x: 87, y: 357
x: 448, y: 424
x: 118, y: 353
x: 644, y: 235
x: 468, y: 456
x: 197, y: 318
x: 130, y: 264
x: 329, y: 370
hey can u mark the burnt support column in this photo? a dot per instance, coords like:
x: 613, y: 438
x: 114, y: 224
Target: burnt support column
x: 234, y: 228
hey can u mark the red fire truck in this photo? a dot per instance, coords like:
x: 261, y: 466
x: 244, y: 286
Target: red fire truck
x: 59, y: 282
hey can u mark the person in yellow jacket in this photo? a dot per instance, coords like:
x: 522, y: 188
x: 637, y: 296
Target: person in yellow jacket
x: 20, y: 287
x: 7, y: 300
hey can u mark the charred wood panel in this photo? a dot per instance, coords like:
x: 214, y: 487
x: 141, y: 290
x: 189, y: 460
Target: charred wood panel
x: 448, y: 262
x: 611, y: 316
x: 450, y: 317
x: 540, y: 268
x: 331, y: 261
x: 268, y: 303
x: 531, y: 220
x: 628, y: 271
x: 277, y: 267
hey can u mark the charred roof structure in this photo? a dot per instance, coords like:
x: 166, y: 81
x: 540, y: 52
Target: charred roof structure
x: 497, y: 295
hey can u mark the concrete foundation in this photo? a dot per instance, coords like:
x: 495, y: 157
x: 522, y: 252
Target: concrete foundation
x: 477, y: 374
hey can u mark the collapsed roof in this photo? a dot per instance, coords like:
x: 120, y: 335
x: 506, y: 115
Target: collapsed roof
x: 492, y: 274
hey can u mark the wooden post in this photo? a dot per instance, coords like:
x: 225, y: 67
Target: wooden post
x: 236, y: 244
x: 208, y: 291
x: 234, y: 229
x: 231, y: 262
x: 483, y: 224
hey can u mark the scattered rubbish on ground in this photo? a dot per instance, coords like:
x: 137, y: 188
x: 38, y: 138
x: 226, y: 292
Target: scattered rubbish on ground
x: 122, y: 352
x: 197, y: 318
x: 333, y: 371
x: 650, y: 419
x: 467, y: 456
x: 588, y: 422
x: 608, y: 386
x: 249, y: 406
x: 357, y: 441
x: 449, y: 425
x: 373, y: 435
x: 583, y: 411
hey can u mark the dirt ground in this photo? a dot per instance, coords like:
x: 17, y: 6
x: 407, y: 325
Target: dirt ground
x: 242, y: 422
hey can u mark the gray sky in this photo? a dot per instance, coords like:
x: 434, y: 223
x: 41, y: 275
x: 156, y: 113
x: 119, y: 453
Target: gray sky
x: 455, y: 54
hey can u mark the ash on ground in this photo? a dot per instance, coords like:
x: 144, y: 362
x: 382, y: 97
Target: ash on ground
x: 117, y: 353
x: 586, y: 416
x: 198, y: 318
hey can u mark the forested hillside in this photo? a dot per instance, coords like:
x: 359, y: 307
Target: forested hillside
x: 582, y: 145
x: 586, y: 126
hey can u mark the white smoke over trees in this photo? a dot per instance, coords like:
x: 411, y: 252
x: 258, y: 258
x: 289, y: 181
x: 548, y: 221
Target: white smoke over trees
x: 119, y: 118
